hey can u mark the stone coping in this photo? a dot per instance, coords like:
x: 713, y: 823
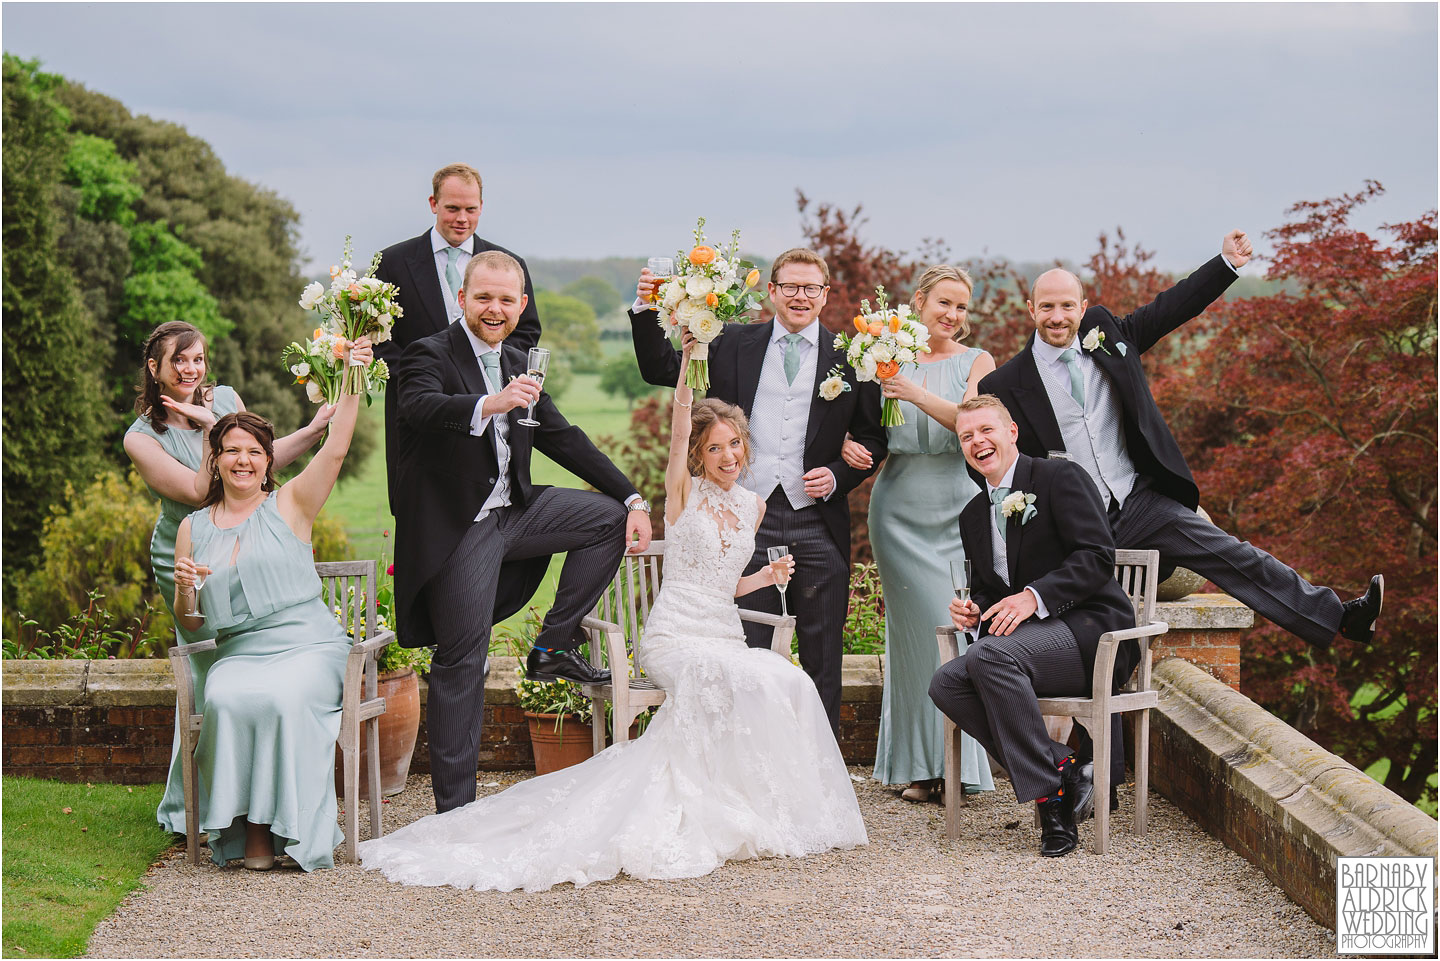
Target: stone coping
x: 1271, y: 793
x: 1205, y: 612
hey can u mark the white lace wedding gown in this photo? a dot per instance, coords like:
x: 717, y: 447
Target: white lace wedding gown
x: 739, y: 762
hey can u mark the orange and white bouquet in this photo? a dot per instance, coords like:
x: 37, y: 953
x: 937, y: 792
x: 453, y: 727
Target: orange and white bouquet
x: 319, y: 365
x: 884, y: 338
x: 355, y: 306
x: 710, y: 289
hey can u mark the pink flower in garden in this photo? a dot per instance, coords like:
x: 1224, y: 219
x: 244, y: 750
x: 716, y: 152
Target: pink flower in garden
x: 390, y: 570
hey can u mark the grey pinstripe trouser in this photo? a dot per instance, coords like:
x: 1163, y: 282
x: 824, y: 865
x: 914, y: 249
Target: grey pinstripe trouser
x: 461, y: 603
x: 990, y: 694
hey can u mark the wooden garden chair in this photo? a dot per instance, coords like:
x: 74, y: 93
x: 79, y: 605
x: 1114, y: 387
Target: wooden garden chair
x: 616, y: 624
x: 1138, y: 573
x: 361, y: 707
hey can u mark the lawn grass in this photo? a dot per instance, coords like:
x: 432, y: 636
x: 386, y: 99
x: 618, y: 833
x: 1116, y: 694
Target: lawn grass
x: 64, y: 872
x: 360, y: 503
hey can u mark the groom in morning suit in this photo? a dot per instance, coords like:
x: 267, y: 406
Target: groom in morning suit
x: 773, y: 372
x: 473, y: 538
x: 1043, y: 590
x: 427, y: 269
x: 1078, y: 386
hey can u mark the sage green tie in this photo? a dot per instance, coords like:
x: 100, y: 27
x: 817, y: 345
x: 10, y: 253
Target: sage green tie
x: 452, y: 273
x: 792, y: 357
x: 996, y: 496
x: 490, y: 360
x: 1077, y: 380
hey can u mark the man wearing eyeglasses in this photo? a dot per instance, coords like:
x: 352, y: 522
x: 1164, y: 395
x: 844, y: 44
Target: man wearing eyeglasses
x: 773, y: 371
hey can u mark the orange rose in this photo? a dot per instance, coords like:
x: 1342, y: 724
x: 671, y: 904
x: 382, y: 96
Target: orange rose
x: 702, y: 255
x: 712, y: 300
x: 895, y: 324
x: 887, y: 369
x: 752, y: 278
x: 860, y: 324
x: 875, y: 327
x: 340, y: 346
x: 354, y: 290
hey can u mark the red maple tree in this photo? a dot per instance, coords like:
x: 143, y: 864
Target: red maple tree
x: 1309, y: 420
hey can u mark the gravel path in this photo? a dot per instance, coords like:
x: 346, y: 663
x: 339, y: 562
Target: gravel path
x: 1174, y: 893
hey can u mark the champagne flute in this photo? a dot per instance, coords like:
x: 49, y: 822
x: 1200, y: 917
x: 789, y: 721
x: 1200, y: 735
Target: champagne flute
x: 960, y: 579
x: 774, y: 554
x: 663, y: 268
x: 200, y: 575
x: 536, y: 364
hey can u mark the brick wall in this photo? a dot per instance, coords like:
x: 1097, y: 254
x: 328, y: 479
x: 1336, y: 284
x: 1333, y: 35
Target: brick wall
x: 114, y: 720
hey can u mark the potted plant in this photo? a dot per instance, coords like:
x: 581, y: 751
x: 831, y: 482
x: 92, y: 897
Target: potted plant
x: 399, y: 684
x: 559, y: 714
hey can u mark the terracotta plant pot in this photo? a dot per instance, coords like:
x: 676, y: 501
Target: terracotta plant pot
x: 553, y: 749
x: 399, y: 727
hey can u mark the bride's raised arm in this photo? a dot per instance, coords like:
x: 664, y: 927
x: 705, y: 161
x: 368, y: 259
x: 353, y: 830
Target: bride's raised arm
x: 677, y: 470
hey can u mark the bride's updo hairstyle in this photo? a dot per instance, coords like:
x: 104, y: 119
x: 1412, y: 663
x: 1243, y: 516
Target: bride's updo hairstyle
x: 932, y: 276
x: 703, y: 418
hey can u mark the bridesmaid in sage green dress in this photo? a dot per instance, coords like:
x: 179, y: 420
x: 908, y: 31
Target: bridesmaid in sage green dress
x: 168, y: 450
x: 914, y: 533
x: 266, y: 753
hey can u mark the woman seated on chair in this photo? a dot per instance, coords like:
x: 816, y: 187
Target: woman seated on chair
x: 271, y: 699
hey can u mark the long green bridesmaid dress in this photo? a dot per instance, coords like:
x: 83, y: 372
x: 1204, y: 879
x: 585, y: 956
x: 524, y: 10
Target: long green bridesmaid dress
x: 183, y: 444
x: 915, y: 533
x: 266, y: 752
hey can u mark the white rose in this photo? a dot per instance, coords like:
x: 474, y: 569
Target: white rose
x: 866, y: 370
x: 1013, y: 504
x: 311, y: 295
x: 882, y: 352
x: 312, y: 391
x: 686, y: 310
x: 904, y: 356
x: 699, y: 286
x: 921, y: 333
x: 904, y: 338
x: 673, y: 292
x: 705, y: 326
x: 383, y: 334
x: 831, y: 388
x: 1092, y: 339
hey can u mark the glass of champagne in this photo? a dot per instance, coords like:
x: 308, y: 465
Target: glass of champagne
x: 200, y: 576
x: 536, y: 364
x: 774, y: 554
x: 663, y: 268
x: 960, y: 579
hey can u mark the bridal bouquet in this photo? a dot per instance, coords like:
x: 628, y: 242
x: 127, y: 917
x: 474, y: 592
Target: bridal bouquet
x: 319, y: 364
x: 705, y: 294
x: 884, y: 338
x: 353, y: 307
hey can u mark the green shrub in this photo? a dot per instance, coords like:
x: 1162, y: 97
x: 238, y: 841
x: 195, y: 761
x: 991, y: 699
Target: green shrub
x: 94, y: 545
x: 865, y: 617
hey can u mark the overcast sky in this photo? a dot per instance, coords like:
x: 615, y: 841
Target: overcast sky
x: 605, y: 129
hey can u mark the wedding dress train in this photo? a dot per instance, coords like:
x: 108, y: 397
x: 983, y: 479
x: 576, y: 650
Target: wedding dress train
x: 738, y: 763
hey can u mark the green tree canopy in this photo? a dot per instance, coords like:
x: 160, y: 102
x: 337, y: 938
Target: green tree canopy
x: 598, y: 292
x: 569, y: 329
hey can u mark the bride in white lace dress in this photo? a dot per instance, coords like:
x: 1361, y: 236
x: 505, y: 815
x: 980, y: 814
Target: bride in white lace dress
x: 739, y: 762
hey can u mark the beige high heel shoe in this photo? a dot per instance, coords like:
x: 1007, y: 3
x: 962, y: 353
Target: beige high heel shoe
x: 262, y: 862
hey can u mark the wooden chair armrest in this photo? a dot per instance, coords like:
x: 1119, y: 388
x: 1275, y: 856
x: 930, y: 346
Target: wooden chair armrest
x: 1108, y: 647
x: 185, y: 650
x: 949, y: 646
x: 372, y: 644
x: 760, y: 617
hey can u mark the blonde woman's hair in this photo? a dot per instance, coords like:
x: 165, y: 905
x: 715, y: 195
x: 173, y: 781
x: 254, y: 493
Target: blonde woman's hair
x: 932, y: 276
x: 703, y: 418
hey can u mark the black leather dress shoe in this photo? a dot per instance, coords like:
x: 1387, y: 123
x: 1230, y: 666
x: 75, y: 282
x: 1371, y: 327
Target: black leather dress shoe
x: 1058, y: 836
x: 1359, y: 615
x: 1078, y: 779
x: 1114, y: 797
x: 552, y: 665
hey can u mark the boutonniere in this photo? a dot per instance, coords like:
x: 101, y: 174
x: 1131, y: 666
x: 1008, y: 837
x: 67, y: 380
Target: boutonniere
x: 834, y: 384
x: 1019, y: 502
x: 1096, y: 340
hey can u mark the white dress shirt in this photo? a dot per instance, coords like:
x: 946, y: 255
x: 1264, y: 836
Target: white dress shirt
x: 439, y: 245
x: 998, y: 555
